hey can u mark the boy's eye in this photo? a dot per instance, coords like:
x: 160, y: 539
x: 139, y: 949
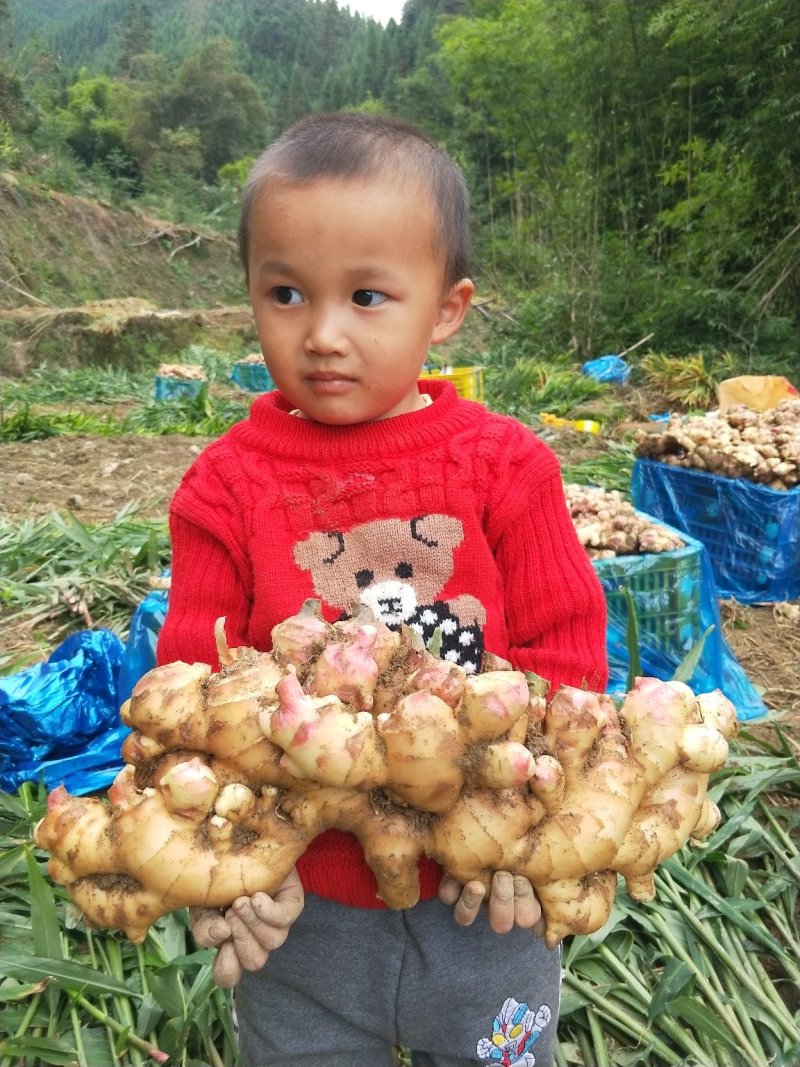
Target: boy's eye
x: 368, y: 298
x: 286, y: 294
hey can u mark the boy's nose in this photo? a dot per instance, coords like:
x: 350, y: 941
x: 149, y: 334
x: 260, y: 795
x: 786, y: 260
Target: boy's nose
x: 325, y: 334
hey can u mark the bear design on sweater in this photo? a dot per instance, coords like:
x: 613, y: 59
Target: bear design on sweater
x: 399, y: 568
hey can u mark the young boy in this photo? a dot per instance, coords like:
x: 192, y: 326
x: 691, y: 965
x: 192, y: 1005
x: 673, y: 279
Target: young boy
x: 355, y: 482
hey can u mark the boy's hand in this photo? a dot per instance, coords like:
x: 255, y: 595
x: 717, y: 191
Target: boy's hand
x: 248, y: 931
x: 512, y: 902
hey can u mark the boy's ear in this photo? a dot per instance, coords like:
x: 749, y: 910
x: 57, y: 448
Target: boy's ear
x: 452, y: 310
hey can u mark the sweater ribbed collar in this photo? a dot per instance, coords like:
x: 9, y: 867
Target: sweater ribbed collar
x: 273, y: 428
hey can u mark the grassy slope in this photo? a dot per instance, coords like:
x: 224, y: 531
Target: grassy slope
x: 60, y: 251
x: 66, y: 250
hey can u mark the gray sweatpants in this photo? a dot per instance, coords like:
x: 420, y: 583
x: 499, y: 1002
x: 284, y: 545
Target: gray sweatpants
x: 349, y: 983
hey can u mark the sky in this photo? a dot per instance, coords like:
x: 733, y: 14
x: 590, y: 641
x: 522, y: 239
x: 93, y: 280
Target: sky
x: 380, y: 10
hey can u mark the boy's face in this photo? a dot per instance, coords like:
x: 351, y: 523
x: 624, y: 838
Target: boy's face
x: 346, y: 285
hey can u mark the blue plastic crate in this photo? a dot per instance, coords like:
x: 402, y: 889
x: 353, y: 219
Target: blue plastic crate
x: 666, y: 588
x: 675, y: 600
x: 252, y: 376
x: 751, y: 532
x: 178, y: 388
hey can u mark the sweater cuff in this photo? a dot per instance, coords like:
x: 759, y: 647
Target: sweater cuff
x: 333, y: 867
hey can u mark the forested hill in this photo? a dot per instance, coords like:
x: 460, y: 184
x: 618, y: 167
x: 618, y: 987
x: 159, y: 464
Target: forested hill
x: 304, y: 54
x: 634, y: 164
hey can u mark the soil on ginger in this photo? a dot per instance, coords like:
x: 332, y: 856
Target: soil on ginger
x: 94, y: 477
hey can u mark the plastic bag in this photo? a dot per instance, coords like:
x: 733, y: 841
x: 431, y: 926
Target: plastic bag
x: 61, y: 719
x: 758, y: 391
x: 608, y: 369
x: 140, y: 650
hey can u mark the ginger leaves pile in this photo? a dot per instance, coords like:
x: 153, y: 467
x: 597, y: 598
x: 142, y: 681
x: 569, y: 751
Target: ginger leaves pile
x: 762, y: 447
x: 231, y: 775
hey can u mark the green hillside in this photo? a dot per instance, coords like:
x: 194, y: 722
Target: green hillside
x: 304, y: 54
x: 634, y: 168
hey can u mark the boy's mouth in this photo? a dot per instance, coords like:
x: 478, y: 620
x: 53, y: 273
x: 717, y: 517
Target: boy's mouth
x: 329, y: 381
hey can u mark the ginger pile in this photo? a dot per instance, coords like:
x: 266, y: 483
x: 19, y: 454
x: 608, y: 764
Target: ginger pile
x: 607, y: 525
x: 185, y: 372
x: 229, y: 776
x: 760, y: 446
x: 255, y: 358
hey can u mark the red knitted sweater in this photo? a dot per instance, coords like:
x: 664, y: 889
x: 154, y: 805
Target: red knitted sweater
x: 450, y: 517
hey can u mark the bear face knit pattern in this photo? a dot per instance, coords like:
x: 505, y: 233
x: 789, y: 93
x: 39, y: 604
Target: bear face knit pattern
x: 449, y: 517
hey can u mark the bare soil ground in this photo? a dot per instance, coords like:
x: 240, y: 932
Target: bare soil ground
x: 766, y: 640
x: 96, y: 476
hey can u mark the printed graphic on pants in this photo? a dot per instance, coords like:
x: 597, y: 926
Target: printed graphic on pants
x: 515, y: 1031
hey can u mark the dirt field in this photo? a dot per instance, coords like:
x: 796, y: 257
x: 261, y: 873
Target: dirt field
x: 95, y: 477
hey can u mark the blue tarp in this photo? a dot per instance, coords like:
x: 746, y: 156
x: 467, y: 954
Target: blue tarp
x: 612, y: 369
x: 751, y: 532
x: 61, y: 719
x: 140, y: 650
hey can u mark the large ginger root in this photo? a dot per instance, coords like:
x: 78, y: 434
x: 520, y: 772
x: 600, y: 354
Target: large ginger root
x: 350, y: 725
x: 182, y: 836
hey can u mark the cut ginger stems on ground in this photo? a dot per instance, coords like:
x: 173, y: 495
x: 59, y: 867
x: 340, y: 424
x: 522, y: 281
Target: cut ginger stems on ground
x: 230, y: 775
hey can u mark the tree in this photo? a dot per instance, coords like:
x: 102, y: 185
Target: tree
x: 736, y: 180
x: 5, y: 26
x: 137, y: 34
x: 94, y: 121
x: 222, y: 104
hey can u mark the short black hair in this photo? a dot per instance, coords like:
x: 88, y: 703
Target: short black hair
x: 351, y: 144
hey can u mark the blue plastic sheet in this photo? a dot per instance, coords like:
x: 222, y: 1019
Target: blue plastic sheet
x: 178, y: 388
x: 252, y: 376
x: 612, y: 369
x: 140, y: 650
x: 60, y: 718
x: 751, y: 532
x: 675, y: 600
